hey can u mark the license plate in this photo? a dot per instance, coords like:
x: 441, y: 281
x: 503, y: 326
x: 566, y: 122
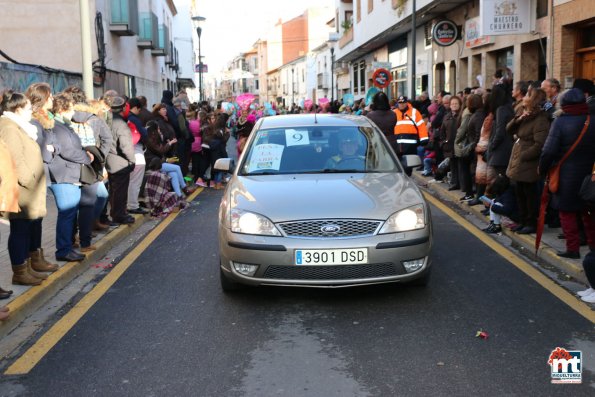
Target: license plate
x: 331, y: 257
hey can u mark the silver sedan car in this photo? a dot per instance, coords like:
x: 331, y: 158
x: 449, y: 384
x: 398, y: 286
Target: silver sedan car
x: 321, y: 201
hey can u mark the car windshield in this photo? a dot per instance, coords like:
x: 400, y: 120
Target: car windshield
x: 318, y: 149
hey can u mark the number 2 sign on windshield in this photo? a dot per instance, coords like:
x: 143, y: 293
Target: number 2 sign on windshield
x: 295, y: 137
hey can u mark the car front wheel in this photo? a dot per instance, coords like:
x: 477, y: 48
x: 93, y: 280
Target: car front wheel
x: 421, y: 281
x: 228, y: 285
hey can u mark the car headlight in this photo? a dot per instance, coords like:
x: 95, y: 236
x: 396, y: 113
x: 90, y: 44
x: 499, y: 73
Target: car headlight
x: 251, y: 223
x: 411, y: 218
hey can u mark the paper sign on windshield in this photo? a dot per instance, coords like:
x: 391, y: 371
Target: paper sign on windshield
x: 266, y: 157
x: 296, y: 137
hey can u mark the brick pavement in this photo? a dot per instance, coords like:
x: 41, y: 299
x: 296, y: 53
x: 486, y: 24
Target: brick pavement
x: 48, y: 243
x: 549, y: 242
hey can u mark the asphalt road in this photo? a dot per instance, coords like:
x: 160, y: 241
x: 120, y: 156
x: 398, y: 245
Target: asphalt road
x: 166, y: 329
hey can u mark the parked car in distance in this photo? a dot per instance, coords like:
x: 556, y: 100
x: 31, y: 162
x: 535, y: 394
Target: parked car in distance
x: 321, y: 201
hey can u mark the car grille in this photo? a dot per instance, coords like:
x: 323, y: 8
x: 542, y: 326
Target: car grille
x: 348, y: 228
x: 339, y: 272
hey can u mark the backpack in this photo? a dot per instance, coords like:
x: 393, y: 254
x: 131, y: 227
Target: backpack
x: 134, y: 131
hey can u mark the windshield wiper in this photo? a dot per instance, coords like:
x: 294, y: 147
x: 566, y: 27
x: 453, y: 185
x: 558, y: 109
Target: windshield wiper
x: 339, y: 171
x: 261, y: 173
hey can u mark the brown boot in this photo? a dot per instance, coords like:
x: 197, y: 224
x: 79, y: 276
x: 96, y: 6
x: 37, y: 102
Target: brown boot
x: 34, y: 273
x: 100, y: 227
x: 21, y: 275
x: 39, y: 264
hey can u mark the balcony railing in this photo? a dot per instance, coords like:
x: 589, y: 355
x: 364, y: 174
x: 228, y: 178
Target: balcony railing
x: 172, y: 59
x: 169, y: 59
x: 124, y: 17
x: 162, y: 48
x: 322, y: 80
x: 148, y: 30
x: 346, y: 38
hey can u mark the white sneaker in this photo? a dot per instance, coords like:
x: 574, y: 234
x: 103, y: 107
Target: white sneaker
x: 586, y: 292
x: 589, y: 298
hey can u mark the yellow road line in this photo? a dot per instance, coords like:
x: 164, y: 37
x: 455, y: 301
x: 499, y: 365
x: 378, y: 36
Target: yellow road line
x: 31, y: 357
x: 580, y: 307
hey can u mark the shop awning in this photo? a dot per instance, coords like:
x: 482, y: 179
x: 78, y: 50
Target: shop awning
x: 185, y: 82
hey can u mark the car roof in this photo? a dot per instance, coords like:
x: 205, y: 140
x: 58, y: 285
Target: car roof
x: 310, y: 120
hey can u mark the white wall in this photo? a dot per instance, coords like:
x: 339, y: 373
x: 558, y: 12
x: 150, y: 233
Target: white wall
x: 275, y: 47
x: 382, y: 18
x: 182, y: 37
x: 299, y: 80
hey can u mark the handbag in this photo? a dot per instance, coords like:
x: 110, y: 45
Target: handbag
x: 587, y: 192
x: 467, y: 149
x: 88, y: 175
x: 553, y: 175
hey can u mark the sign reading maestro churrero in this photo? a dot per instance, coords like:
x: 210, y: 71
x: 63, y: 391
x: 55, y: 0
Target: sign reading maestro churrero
x: 500, y: 17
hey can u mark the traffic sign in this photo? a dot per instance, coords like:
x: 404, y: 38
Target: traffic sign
x: 381, y: 78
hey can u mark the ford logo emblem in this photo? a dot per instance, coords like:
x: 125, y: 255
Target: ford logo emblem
x: 330, y: 229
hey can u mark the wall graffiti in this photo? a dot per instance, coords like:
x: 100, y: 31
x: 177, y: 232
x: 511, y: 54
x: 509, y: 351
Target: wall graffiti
x: 19, y: 77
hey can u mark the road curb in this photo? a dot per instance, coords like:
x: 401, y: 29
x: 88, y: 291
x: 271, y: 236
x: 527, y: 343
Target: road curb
x: 31, y: 300
x: 35, y: 297
x: 545, y: 254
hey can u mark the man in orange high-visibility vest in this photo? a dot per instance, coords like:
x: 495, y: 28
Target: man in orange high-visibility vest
x: 410, y: 130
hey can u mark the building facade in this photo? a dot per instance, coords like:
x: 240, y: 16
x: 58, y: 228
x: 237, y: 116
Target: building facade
x: 557, y: 39
x: 132, y: 45
x: 573, y: 40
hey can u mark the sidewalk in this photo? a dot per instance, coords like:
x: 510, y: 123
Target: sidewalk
x: 549, y: 242
x: 25, y: 300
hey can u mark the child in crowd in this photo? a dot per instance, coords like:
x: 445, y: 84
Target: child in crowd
x: 162, y: 199
x: 429, y: 162
x: 502, y: 204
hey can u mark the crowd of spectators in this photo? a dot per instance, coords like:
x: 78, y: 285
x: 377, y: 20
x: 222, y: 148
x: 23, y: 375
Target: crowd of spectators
x: 498, y: 146
x: 92, y: 156
x: 105, y: 159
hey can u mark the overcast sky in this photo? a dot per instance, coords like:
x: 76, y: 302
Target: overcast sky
x: 233, y: 26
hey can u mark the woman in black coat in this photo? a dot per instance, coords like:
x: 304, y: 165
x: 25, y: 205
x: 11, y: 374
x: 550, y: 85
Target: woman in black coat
x: 500, y: 145
x: 382, y: 115
x: 563, y: 133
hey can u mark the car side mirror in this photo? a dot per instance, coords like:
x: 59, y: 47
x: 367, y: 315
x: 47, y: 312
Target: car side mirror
x: 225, y: 164
x: 411, y: 161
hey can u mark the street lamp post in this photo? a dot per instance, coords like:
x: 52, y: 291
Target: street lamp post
x: 413, y: 44
x: 198, y: 32
x: 197, y: 19
x: 332, y: 76
x: 292, y: 89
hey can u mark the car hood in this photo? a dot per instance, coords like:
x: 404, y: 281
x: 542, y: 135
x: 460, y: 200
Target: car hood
x: 313, y: 196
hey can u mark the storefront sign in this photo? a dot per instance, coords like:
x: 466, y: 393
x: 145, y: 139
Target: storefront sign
x: 381, y: 65
x: 473, y: 37
x: 381, y: 78
x: 500, y: 17
x: 445, y: 33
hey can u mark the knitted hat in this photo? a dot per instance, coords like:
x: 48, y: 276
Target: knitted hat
x: 585, y: 85
x: 117, y: 104
x: 572, y: 97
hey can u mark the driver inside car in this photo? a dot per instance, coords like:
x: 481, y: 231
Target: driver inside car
x: 348, y: 157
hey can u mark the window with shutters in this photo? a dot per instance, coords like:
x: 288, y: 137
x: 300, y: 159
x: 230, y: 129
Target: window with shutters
x: 355, y: 79
x: 362, y: 76
x: 428, y: 35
